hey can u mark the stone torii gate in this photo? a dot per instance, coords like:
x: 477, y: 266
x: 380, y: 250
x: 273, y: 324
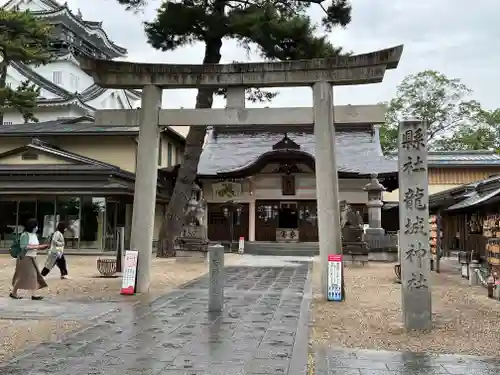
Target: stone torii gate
x: 321, y: 74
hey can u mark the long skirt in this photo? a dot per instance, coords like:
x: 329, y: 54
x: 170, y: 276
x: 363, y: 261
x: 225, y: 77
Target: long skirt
x: 27, y: 275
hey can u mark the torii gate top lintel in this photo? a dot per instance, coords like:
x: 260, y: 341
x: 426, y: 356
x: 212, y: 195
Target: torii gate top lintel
x: 340, y: 70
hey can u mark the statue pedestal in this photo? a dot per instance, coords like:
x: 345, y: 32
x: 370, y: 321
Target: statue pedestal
x: 354, y: 249
x: 375, y: 232
x: 191, y: 256
x: 192, y: 245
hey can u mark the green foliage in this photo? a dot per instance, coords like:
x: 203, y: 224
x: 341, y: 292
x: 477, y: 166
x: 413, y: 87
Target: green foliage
x: 23, y: 38
x: 23, y: 99
x: 484, y: 136
x: 278, y: 30
x: 388, y: 138
x: 468, y: 138
x: 431, y: 96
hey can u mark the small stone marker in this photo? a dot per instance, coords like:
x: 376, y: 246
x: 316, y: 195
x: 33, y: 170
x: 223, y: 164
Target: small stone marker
x: 216, y: 278
x: 414, y: 226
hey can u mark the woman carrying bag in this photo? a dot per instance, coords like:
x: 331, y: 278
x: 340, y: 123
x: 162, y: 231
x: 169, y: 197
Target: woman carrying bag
x: 27, y: 275
x: 56, y: 252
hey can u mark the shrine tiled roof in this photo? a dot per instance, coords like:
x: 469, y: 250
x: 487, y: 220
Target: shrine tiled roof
x: 460, y: 158
x: 75, y: 126
x: 357, y: 149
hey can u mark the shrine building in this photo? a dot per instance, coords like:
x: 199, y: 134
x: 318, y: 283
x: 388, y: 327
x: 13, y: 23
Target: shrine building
x: 259, y: 182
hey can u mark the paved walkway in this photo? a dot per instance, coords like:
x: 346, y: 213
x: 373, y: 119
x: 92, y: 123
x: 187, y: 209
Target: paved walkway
x: 263, y: 330
x: 259, y: 332
x: 374, y: 362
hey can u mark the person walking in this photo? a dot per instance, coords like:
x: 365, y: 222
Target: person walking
x: 56, y: 252
x: 27, y: 276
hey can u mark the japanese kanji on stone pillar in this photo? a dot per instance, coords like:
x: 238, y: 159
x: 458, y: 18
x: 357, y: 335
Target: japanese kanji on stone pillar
x: 414, y: 225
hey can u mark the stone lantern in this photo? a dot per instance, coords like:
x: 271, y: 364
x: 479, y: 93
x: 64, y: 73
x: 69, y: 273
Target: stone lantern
x: 374, y: 189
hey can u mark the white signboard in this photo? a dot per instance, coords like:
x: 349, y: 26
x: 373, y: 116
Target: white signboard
x: 129, y: 272
x: 241, y: 245
x: 335, y: 277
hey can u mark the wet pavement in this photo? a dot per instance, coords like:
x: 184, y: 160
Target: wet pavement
x: 261, y: 331
x: 26, y: 309
x: 337, y: 361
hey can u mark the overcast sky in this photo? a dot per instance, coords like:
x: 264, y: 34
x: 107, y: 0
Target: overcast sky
x: 456, y: 37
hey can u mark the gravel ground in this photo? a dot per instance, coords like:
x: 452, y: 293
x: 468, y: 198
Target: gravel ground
x: 84, y: 281
x: 465, y: 320
x: 16, y: 335
x: 84, y: 284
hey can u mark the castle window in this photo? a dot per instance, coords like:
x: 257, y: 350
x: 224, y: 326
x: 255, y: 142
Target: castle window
x: 29, y: 156
x: 74, y: 81
x: 57, y: 78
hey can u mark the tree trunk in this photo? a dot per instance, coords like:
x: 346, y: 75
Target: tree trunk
x: 181, y: 195
x: 3, y: 83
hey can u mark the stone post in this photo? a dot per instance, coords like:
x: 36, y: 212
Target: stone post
x: 327, y: 185
x: 143, y: 213
x: 414, y: 225
x: 216, y: 278
x: 374, y: 189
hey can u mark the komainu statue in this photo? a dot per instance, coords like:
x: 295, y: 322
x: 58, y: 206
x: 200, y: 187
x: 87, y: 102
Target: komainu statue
x: 349, y: 218
x: 193, y: 241
x: 353, y: 246
x: 195, y: 212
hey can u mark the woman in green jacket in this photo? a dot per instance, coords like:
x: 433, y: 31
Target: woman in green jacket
x: 27, y: 275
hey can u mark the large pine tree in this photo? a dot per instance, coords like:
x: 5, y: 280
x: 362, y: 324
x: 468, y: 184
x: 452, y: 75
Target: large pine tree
x: 277, y: 29
x: 23, y: 38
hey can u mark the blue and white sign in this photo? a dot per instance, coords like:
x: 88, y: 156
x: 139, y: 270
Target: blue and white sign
x: 335, y: 277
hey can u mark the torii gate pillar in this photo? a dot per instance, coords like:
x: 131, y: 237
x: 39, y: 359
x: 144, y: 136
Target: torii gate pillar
x: 327, y: 183
x: 321, y: 74
x: 143, y: 214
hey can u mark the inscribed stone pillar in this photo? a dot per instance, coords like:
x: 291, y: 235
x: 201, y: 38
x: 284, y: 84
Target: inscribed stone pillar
x: 327, y: 184
x: 143, y: 215
x: 216, y: 280
x: 414, y: 225
x: 374, y: 189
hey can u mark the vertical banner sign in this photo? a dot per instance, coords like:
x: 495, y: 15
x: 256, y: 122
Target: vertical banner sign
x: 129, y: 272
x: 414, y: 225
x: 241, y: 245
x: 334, y: 277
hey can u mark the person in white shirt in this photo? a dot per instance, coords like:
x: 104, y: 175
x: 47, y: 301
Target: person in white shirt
x: 27, y: 276
x: 56, y: 252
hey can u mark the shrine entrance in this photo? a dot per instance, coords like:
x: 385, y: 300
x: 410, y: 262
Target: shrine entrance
x: 288, y: 216
x: 286, y: 221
